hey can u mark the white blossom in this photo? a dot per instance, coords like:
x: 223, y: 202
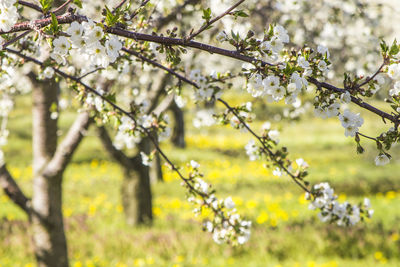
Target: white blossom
x: 381, y: 160
x: 255, y: 86
x: 8, y: 15
x: 281, y: 33
x: 113, y: 46
x: 303, y: 62
x: 351, y: 122
x: 345, y: 97
x: 194, y: 164
x: 75, y: 31
x: 179, y: 101
x: 48, y: 72
x: 146, y: 160
x: 323, y: 50
x: 396, y: 90
x: 252, y: 150
x: 61, y: 45
x: 394, y: 71
x: 277, y: 172
x: 274, y: 135
x: 229, y: 204
x: 222, y: 37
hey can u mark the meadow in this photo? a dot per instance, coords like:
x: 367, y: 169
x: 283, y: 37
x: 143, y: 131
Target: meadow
x: 284, y: 233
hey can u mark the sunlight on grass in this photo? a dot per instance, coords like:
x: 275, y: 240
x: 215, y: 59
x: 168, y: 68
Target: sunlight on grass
x: 285, y: 232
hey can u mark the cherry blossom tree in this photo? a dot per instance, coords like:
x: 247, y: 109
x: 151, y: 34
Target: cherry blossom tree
x: 62, y: 41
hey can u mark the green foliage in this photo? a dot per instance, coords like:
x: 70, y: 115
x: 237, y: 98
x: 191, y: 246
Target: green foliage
x: 78, y: 3
x: 207, y: 14
x: 110, y: 18
x: 240, y: 13
x: 46, y: 5
x: 394, y: 49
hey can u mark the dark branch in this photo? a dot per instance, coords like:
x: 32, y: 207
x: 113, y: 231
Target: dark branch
x: 13, y: 191
x: 355, y: 100
x: 61, y: 9
x: 30, y: 5
x: 209, y: 23
x: 40, y: 23
x: 13, y: 40
x: 144, y: 2
x: 115, y: 153
x: 163, y: 21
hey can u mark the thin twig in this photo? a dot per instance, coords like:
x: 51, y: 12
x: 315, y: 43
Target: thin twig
x: 13, y: 40
x: 134, y: 13
x: 118, y: 6
x: 270, y: 153
x: 366, y: 136
x: 209, y: 23
x: 372, y: 77
x: 61, y: 7
x: 88, y: 73
x: 30, y: 5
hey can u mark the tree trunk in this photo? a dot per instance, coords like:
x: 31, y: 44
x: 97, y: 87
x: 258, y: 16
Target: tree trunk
x: 156, y: 174
x: 136, y: 196
x: 178, y: 136
x: 136, y: 190
x: 47, y: 221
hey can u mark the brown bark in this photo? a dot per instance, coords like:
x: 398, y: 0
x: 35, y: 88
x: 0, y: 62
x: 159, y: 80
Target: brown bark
x: 136, y: 194
x: 49, y: 163
x: 13, y: 191
x: 136, y: 189
x: 178, y: 135
x: 47, y: 221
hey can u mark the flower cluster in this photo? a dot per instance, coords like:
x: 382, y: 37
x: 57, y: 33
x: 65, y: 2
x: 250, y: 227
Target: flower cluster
x: 206, y: 90
x: 273, y: 43
x: 351, y: 122
x: 252, y: 150
x: 204, y: 117
x: 126, y: 136
x: 89, y: 41
x: 323, y: 198
x: 226, y: 225
x: 243, y: 114
x: 8, y: 14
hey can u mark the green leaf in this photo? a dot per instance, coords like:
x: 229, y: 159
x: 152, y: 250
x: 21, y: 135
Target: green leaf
x: 384, y: 46
x: 240, y: 13
x: 207, y: 14
x: 111, y: 97
x: 78, y: 3
x: 46, y: 5
x: 111, y: 19
x: 54, y: 21
x: 394, y: 49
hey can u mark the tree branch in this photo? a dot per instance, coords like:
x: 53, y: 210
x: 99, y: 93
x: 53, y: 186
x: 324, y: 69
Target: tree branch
x: 40, y: 23
x: 164, y: 105
x: 13, y: 191
x: 67, y: 147
x: 209, y: 23
x: 30, y: 5
x: 116, y: 154
x: 163, y: 21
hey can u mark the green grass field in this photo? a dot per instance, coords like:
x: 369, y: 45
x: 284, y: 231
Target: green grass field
x: 284, y: 233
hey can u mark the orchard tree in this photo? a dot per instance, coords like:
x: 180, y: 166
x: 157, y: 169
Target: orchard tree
x: 76, y: 46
